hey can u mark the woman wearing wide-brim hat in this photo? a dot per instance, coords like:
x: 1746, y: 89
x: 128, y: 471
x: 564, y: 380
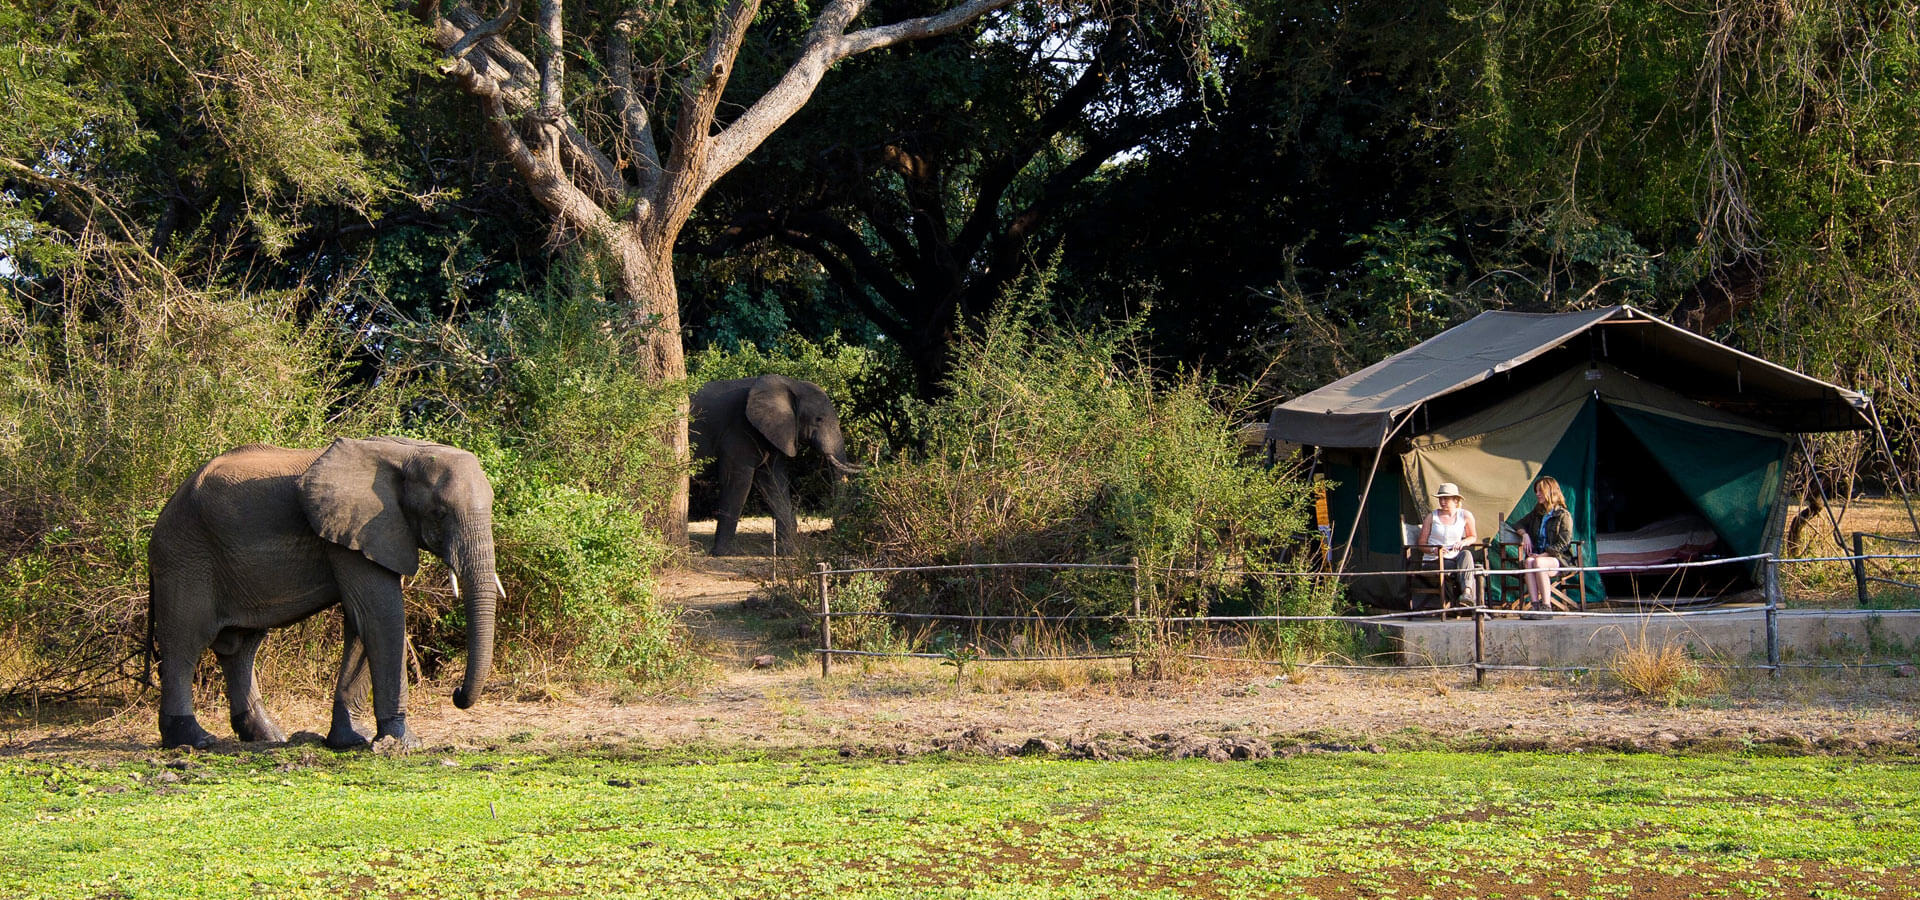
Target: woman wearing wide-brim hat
x: 1446, y: 535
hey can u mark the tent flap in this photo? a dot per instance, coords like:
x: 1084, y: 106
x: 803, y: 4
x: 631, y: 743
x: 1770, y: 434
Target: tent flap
x: 1735, y: 484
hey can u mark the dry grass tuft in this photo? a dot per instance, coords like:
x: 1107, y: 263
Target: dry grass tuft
x: 1666, y: 671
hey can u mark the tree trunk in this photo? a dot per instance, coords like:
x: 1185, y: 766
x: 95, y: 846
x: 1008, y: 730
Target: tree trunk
x: 645, y: 264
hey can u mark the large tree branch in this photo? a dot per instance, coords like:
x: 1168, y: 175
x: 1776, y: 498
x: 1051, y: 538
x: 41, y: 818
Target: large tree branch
x: 553, y: 60
x: 836, y: 247
x: 884, y: 216
x: 916, y: 29
x: 636, y: 122
x: 544, y: 178
x: 837, y: 234
x: 922, y: 181
x: 995, y: 181
x: 826, y: 44
x: 485, y: 30
x: 492, y: 69
x: 699, y: 98
x: 854, y: 267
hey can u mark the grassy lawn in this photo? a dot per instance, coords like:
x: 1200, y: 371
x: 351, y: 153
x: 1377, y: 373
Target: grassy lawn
x: 298, y: 822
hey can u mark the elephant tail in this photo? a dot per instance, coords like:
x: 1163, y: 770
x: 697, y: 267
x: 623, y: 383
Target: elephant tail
x: 149, y: 648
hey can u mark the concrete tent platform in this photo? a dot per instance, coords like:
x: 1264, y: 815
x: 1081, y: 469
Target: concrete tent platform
x: 1734, y: 634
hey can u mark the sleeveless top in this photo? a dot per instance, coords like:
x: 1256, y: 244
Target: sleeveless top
x: 1439, y: 532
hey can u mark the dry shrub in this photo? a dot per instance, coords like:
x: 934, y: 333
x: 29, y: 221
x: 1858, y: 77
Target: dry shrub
x: 1666, y: 671
x: 106, y: 403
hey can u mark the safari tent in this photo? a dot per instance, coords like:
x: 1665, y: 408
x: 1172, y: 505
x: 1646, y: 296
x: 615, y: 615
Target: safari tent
x: 1669, y: 446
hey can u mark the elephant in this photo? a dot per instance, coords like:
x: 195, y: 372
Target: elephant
x: 261, y: 537
x: 751, y: 427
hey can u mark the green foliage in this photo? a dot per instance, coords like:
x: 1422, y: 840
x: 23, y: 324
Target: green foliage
x: 957, y: 653
x: 241, y: 116
x: 1059, y: 445
x: 294, y: 96
x: 1672, y: 143
x: 579, y: 567
x: 864, y: 593
x: 299, y: 823
x: 544, y: 389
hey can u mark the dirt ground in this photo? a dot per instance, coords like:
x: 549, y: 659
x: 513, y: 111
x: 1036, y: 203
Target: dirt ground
x: 899, y: 710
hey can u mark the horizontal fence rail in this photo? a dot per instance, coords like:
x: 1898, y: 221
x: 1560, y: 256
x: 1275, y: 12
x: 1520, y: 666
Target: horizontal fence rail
x: 1479, y: 612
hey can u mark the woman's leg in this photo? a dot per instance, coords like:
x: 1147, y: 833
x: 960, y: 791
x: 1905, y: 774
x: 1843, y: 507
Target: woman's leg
x: 1540, y: 584
x: 1469, y: 593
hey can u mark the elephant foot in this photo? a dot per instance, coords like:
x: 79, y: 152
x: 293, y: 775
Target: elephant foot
x: 720, y: 549
x: 345, y: 739
x: 183, y: 731
x: 252, y: 727
x: 393, y: 736
x: 341, y: 735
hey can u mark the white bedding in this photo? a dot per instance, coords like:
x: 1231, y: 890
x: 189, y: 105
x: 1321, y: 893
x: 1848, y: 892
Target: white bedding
x: 1676, y: 539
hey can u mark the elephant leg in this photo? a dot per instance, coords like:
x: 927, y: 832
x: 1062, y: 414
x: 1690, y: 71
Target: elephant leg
x: 776, y: 491
x: 178, y: 725
x: 236, y: 651
x: 350, y: 691
x: 734, y: 484
x: 373, y: 602
x: 179, y: 641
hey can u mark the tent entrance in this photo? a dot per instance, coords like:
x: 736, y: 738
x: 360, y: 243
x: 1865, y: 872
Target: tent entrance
x: 1642, y: 516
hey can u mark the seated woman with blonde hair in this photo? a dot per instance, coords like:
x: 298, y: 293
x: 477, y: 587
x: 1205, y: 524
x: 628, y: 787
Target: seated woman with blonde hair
x: 1546, y: 540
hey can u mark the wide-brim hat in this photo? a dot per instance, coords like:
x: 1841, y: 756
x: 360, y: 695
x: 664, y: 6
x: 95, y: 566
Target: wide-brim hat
x: 1447, y: 489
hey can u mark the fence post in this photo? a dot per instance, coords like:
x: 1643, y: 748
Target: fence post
x: 826, y: 627
x: 1860, y: 567
x: 1479, y: 643
x: 1773, y: 617
x: 1134, y: 630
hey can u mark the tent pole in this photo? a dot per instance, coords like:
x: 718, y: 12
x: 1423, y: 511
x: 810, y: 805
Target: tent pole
x: 1826, y: 503
x: 1367, y: 491
x: 1899, y: 480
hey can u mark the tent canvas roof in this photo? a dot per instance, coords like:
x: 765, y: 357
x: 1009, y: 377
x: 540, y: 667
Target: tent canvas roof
x: 1364, y: 409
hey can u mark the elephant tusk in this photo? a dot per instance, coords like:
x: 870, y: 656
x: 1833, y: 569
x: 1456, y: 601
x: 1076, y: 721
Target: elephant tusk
x: 499, y: 587
x: 454, y: 580
x: 848, y: 468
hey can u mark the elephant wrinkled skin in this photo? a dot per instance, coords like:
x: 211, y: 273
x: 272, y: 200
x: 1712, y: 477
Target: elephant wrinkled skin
x: 262, y: 537
x: 751, y: 427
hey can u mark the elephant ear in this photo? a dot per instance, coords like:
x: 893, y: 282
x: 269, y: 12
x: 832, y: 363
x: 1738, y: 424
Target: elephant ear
x: 351, y: 495
x: 770, y: 409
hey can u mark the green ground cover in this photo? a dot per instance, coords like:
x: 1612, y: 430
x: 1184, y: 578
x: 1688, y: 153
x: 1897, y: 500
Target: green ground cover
x: 303, y: 823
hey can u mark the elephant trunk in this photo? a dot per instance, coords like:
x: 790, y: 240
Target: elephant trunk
x: 479, y: 586
x: 833, y: 445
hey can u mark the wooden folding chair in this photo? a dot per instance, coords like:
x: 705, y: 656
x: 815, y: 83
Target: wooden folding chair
x: 1558, y: 586
x: 1566, y: 589
x: 1431, y: 584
